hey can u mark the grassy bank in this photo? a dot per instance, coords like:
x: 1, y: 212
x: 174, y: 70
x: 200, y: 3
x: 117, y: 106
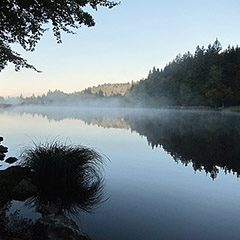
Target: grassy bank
x: 233, y: 109
x: 3, y: 105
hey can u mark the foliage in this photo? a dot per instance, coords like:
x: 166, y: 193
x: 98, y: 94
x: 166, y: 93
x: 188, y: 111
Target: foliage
x: 215, y: 89
x: 67, y: 177
x: 24, y: 22
x: 209, y: 77
x: 105, y: 92
x: 109, y: 89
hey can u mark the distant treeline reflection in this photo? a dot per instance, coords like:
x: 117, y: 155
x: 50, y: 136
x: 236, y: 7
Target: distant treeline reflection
x: 206, y: 139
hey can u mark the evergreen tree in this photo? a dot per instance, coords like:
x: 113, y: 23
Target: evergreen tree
x: 210, y: 77
x: 216, y: 90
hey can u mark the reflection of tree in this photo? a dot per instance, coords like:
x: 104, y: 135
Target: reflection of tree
x: 205, y: 139
x: 94, y: 116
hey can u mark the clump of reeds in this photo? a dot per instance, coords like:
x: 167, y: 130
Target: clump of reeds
x: 67, y: 176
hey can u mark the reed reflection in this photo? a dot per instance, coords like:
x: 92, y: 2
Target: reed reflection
x: 57, y: 180
x: 68, y: 178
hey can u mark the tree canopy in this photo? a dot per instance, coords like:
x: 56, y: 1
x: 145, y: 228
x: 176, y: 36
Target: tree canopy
x: 24, y: 22
x: 209, y: 77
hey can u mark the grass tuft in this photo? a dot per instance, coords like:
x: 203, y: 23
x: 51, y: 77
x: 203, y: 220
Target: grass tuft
x: 68, y: 177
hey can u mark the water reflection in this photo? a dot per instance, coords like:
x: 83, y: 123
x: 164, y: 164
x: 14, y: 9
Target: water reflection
x: 205, y: 139
x: 61, y: 180
x: 67, y: 177
x: 147, y: 188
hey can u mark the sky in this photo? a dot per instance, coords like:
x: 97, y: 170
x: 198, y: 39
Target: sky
x: 126, y: 42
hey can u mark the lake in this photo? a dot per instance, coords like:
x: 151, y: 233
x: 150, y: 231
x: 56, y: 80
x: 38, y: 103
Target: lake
x: 169, y: 174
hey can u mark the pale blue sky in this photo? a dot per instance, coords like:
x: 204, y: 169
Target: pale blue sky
x: 125, y: 44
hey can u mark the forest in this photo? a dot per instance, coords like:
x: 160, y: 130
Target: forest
x: 210, y: 77
x: 105, y: 94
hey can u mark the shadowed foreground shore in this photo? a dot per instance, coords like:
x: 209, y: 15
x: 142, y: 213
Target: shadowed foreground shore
x: 57, y: 181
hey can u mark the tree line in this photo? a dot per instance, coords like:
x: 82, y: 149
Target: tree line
x: 209, y: 77
x: 101, y: 94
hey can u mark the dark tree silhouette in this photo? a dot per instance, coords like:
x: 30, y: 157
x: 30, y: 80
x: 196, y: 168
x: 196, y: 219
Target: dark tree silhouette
x: 23, y: 22
x: 209, y: 77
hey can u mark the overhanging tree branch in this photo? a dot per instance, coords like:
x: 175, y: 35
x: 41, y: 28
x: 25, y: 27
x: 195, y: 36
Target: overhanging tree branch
x: 21, y: 22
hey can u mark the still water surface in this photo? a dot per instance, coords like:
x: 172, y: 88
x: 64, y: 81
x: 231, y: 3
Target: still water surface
x: 171, y: 174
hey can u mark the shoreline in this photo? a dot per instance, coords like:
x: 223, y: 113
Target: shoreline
x: 235, y: 109
x: 5, y: 105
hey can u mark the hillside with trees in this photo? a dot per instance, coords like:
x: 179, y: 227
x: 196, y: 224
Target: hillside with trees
x: 106, y: 94
x: 209, y: 77
x: 109, y: 89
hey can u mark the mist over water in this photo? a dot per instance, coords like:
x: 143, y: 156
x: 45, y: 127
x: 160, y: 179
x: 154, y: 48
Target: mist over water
x: 207, y: 139
x: 162, y: 165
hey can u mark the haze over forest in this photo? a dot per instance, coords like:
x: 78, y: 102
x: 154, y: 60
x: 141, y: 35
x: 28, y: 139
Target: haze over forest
x: 209, y: 77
